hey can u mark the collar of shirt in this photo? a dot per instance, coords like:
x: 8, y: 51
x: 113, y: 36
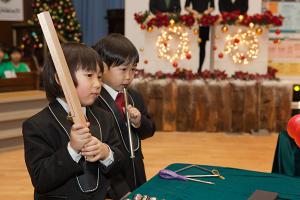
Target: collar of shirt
x: 113, y: 93
x: 66, y: 107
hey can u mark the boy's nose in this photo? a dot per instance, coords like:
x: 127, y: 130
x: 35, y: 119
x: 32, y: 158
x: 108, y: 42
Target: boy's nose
x: 127, y: 75
x: 97, y: 83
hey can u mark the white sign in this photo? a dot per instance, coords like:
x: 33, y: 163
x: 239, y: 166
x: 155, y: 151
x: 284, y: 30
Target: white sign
x: 11, y: 10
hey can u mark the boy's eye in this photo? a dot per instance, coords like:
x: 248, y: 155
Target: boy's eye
x: 89, y: 75
x: 100, y: 77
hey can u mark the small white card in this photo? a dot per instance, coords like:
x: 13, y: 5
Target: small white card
x: 10, y: 74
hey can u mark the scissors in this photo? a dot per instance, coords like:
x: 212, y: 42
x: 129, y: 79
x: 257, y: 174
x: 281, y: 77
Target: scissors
x: 214, y: 172
x: 169, y: 174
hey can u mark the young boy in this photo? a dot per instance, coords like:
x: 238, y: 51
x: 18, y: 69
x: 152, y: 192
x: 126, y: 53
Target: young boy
x: 66, y: 160
x: 120, y: 58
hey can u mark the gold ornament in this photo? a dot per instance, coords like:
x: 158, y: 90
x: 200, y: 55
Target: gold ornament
x: 141, y: 49
x: 241, y: 18
x: 172, y: 22
x: 149, y: 29
x: 224, y: 29
x: 195, y: 31
x: 199, y: 40
x: 251, y: 25
x: 259, y: 31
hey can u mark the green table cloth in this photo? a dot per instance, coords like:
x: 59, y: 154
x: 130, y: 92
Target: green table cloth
x: 238, y: 184
x: 287, y: 156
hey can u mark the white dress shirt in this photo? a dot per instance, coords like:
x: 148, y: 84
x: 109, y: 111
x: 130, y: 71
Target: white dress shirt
x: 76, y: 156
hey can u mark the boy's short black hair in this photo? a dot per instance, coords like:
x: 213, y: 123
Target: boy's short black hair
x: 115, y: 50
x: 78, y: 56
x: 15, y: 49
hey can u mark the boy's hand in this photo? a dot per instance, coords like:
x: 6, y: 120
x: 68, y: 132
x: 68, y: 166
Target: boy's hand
x: 134, y: 116
x: 79, y: 136
x: 95, y: 150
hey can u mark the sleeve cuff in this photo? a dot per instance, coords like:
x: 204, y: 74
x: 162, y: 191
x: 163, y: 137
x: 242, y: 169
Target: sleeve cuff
x: 109, y: 160
x: 75, y: 156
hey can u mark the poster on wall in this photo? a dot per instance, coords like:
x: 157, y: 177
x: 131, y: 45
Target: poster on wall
x: 284, y: 56
x: 11, y: 10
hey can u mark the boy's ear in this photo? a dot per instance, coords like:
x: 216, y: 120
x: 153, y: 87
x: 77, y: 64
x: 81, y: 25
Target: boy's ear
x: 105, y: 67
x: 57, y: 79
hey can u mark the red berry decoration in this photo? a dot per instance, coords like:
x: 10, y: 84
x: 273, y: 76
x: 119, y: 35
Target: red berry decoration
x: 277, y: 32
x: 146, y: 62
x: 236, y: 41
x: 276, y: 41
x: 143, y: 26
x: 221, y: 55
x: 188, y: 56
x: 175, y: 64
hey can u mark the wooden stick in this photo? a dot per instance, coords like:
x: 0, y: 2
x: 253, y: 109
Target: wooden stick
x: 61, y: 67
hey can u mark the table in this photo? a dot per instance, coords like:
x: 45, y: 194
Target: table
x: 238, y: 184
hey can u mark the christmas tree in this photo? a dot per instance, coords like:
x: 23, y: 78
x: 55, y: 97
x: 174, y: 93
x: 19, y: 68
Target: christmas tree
x: 64, y: 18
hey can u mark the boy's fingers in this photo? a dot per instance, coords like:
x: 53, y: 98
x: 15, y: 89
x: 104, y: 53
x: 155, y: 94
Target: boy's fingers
x: 90, y: 148
x: 90, y: 153
x: 77, y: 126
x: 87, y: 140
x: 84, y: 136
x: 91, y: 143
x: 82, y: 131
x: 93, y: 158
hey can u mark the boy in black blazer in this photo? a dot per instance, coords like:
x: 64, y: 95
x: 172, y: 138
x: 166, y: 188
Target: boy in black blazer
x: 66, y: 160
x: 120, y: 58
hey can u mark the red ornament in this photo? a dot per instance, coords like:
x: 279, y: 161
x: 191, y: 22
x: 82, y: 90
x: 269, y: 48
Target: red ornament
x: 243, y: 57
x: 188, y: 56
x: 175, y: 64
x: 143, y: 26
x: 236, y: 41
x: 215, y: 48
x: 277, y: 32
x: 221, y: 55
x: 146, y: 62
x: 293, y: 128
x: 276, y: 41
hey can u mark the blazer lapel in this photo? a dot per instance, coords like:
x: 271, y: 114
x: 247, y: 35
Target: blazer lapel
x: 121, y: 123
x: 95, y: 127
x: 61, y: 116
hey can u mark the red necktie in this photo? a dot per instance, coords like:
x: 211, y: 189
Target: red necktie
x: 120, y: 102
